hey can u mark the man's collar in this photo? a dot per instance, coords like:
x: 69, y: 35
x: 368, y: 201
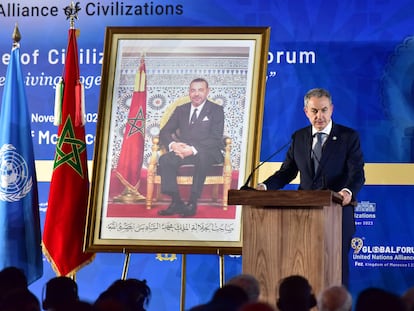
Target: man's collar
x: 326, y: 130
x: 198, y: 107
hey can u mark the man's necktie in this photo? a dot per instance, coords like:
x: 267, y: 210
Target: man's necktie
x: 193, y: 116
x: 317, y: 150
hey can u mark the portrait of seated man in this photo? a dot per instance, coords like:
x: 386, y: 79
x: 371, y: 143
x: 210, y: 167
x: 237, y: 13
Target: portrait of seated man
x: 192, y: 135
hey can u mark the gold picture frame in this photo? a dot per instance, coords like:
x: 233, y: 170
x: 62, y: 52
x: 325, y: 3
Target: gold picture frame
x: 234, y: 61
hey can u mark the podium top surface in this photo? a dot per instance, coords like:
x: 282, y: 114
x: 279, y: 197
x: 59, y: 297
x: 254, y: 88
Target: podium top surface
x: 299, y: 198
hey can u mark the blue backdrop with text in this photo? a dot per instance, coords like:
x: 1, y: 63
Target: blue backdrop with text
x: 361, y: 51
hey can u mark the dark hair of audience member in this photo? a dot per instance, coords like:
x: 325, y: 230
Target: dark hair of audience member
x: 226, y: 298
x: 257, y: 306
x: 80, y: 305
x: 129, y: 294
x: 19, y: 300
x: 379, y: 300
x: 408, y: 298
x: 60, y: 292
x: 295, y: 294
x: 12, y: 278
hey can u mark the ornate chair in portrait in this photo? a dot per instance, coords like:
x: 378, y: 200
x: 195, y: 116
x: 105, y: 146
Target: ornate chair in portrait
x: 219, y: 175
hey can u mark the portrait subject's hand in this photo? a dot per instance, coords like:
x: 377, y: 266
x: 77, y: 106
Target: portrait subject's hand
x: 187, y: 151
x: 182, y: 150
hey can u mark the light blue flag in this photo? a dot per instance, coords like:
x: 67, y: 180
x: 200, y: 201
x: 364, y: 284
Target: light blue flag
x: 20, y: 236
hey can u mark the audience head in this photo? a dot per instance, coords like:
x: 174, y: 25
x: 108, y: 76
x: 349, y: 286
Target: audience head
x: 19, y: 300
x: 228, y: 298
x: 248, y: 283
x: 335, y: 298
x: 408, y: 298
x: 12, y: 278
x: 295, y: 294
x: 130, y: 295
x: 60, y: 292
x: 257, y: 306
x: 379, y: 300
x: 80, y: 306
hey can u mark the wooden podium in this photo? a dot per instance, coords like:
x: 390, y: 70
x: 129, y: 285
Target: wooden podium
x: 289, y: 232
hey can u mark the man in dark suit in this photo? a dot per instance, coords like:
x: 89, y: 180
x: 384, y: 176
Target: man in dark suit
x: 339, y: 166
x: 193, y: 135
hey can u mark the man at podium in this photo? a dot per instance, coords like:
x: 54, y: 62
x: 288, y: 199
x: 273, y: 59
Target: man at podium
x: 328, y: 156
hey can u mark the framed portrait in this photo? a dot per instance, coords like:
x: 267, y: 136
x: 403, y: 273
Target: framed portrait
x: 146, y: 78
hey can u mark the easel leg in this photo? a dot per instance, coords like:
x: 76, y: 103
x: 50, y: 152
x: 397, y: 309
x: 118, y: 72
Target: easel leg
x: 126, y: 266
x: 183, y: 281
x: 221, y: 269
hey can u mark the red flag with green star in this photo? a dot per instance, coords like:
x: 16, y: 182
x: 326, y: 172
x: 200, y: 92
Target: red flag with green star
x: 68, y: 197
x: 132, y: 152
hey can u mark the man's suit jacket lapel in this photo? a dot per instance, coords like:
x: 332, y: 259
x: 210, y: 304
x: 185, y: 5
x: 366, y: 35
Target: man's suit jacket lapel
x: 204, y: 112
x: 201, y: 114
x: 186, y: 115
x: 308, y: 149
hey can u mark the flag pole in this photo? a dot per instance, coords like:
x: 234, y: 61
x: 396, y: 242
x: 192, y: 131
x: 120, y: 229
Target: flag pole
x: 16, y: 36
x: 71, y: 13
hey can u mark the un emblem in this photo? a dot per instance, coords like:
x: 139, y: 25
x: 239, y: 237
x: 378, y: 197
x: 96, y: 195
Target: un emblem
x: 357, y: 244
x: 15, y: 182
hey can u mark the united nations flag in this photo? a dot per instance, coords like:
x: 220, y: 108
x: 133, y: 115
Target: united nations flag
x: 20, y: 237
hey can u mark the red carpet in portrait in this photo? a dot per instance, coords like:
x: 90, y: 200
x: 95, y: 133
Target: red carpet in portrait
x: 207, y: 207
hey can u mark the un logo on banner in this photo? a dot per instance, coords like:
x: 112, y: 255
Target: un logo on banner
x: 357, y: 244
x: 15, y: 182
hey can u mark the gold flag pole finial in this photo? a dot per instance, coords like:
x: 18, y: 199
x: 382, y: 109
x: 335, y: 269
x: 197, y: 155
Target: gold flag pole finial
x: 71, y: 12
x: 16, y: 36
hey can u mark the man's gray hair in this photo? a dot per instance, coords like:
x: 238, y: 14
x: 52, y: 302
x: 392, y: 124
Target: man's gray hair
x: 335, y: 298
x: 248, y: 283
x: 317, y: 92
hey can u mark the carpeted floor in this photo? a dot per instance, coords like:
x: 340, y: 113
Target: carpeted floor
x: 205, y: 209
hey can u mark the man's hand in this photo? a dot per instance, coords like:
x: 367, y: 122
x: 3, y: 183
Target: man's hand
x: 186, y: 152
x: 182, y: 150
x: 346, y: 197
x: 261, y: 187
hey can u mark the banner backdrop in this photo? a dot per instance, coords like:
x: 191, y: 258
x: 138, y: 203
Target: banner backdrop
x: 361, y: 51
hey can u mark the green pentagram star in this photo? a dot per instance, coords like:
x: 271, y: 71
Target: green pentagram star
x: 136, y: 124
x: 77, y: 146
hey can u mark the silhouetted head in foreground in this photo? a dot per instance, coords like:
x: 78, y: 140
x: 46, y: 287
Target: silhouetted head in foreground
x: 295, y: 294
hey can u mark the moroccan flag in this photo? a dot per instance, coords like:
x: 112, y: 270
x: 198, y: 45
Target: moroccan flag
x: 20, y: 237
x: 68, y: 197
x: 132, y: 151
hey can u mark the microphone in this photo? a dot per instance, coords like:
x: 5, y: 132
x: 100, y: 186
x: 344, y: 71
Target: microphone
x: 246, y: 184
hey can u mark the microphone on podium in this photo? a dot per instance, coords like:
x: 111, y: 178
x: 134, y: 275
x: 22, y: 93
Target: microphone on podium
x: 246, y: 184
